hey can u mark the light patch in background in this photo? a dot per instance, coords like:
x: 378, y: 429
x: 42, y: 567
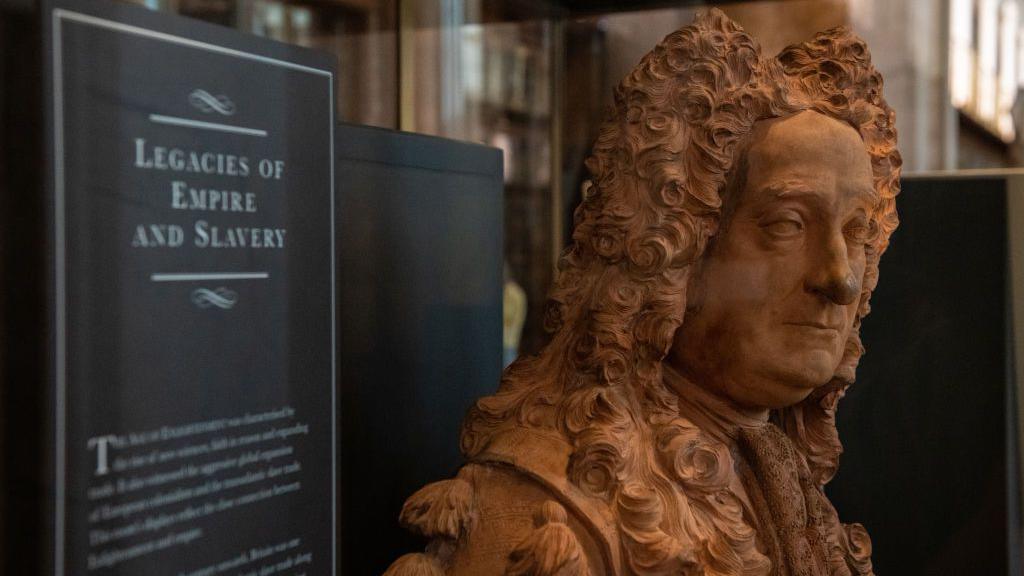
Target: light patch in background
x: 961, y: 39
x: 985, y: 62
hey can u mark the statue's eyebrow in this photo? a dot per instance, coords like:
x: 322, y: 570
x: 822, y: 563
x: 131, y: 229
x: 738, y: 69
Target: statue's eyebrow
x: 788, y: 189
x: 782, y: 189
x: 871, y: 192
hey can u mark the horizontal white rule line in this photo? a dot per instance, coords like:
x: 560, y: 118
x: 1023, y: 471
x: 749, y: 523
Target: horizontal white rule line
x: 192, y: 276
x: 175, y: 121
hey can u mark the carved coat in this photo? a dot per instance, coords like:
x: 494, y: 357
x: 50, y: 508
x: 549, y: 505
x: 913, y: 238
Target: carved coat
x: 518, y: 486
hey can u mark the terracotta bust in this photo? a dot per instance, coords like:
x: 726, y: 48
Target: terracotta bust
x: 704, y: 326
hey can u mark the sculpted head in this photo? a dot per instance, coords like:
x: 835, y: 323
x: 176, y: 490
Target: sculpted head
x: 732, y: 229
x: 773, y: 302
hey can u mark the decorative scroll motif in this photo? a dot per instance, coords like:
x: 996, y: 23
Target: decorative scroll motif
x: 415, y: 565
x: 221, y: 298
x: 442, y: 509
x: 208, y: 103
x: 551, y: 549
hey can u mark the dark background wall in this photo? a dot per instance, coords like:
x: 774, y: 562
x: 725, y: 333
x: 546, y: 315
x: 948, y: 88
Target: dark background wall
x: 419, y: 330
x: 929, y: 466
x: 23, y: 316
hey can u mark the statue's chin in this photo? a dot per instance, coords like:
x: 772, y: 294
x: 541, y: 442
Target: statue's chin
x: 781, y: 389
x: 810, y: 370
x: 797, y: 394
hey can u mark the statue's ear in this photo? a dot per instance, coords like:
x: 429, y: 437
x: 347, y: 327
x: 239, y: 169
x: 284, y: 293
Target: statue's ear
x: 710, y: 229
x: 695, y: 286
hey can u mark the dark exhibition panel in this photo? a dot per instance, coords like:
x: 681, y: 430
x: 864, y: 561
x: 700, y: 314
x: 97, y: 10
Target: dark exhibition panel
x: 174, y: 356
x: 419, y: 288
x: 178, y: 391
x: 929, y: 428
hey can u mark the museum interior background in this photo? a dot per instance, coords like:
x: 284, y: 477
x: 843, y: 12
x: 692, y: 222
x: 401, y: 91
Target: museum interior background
x: 532, y: 77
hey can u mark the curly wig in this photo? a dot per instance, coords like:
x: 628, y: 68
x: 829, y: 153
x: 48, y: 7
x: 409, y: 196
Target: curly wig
x: 659, y: 172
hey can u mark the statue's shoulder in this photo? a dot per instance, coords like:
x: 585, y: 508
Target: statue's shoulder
x: 511, y: 510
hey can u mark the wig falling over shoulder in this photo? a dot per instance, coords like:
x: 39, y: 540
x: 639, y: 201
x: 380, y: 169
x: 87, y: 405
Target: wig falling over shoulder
x: 659, y: 170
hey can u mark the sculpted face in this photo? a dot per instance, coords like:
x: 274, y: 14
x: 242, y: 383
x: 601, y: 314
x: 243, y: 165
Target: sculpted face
x: 773, y: 302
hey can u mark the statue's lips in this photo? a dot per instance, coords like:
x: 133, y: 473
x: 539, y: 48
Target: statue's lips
x: 815, y: 326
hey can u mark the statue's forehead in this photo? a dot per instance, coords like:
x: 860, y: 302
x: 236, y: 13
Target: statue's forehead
x: 806, y: 133
x: 809, y: 150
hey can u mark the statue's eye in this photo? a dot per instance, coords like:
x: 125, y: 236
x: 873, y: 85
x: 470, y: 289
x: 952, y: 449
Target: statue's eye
x: 860, y: 232
x: 783, y: 228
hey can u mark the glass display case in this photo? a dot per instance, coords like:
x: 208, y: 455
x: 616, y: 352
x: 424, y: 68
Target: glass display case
x: 534, y: 79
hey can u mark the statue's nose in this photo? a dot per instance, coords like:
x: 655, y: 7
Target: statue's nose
x: 831, y: 275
